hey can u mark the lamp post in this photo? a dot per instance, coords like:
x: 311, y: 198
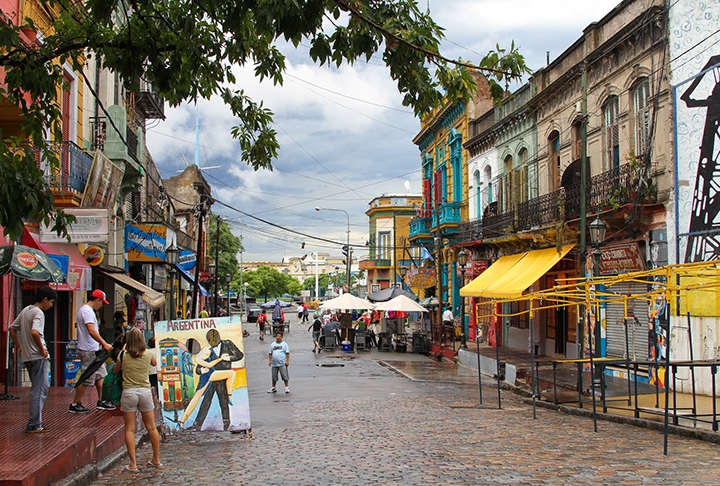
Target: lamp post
x: 597, y: 236
x: 403, y: 273
x: 213, y: 298
x: 171, y: 257
x: 462, y: 258
x: 335, y: 280
x: 228, y: 277
x: 349, y: 252
x: 245, y: 285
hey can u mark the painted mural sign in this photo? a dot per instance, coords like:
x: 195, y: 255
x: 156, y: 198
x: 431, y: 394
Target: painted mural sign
x: 202, y: 374
x: 147, y: 242
x: 103, y: 183
x: 624, y: 258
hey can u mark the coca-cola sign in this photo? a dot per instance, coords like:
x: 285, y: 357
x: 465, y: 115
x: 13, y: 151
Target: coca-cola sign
x: 27, y: 260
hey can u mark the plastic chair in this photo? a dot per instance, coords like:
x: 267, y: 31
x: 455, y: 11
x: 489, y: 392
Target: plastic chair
x: 330, y: 341
x: 360, y: 340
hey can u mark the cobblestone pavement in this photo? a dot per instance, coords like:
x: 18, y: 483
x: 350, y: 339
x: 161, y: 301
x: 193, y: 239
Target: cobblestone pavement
x: 363, y: 423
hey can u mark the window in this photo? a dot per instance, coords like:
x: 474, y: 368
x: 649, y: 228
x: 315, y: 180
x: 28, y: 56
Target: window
x: 384, y: 245
x: 641, y: 109
x: 554, y: 160
x: 522, y: 195
x: 611, y: 132
x: 478, y: 194
x: 487, y: 178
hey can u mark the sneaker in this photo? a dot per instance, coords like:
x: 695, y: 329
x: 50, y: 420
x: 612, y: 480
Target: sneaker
x: 105, y: 405
x: 78, y: 408
x: 272, y: 390
x: 287, y: 389
x: 38, y: 430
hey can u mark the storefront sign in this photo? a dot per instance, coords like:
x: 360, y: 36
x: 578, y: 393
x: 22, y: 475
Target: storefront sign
x: 621, y: 259
x: 473, y: 268
x: 92, y: 226
x: 94, y: 255
x: 147, y: 242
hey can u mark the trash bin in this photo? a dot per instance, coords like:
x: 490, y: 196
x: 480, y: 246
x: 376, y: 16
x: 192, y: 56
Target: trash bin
x: 400, y: 347
x: 346, y: 347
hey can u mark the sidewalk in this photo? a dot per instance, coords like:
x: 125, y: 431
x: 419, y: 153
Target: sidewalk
x: 72, y: 441
x: 559, y: 386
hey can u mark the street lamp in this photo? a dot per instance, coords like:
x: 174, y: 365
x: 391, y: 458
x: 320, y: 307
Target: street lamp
x: 245, y: 285
x: 213, y: 298
x: 349, y: 252
x: 403, y: 273
x: 462, y: 258
x: 171, y: 257
x: 597, y: 236
x: 228, y: 277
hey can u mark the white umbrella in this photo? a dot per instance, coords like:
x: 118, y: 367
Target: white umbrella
x: 400, y: 303
x: 346, y: 301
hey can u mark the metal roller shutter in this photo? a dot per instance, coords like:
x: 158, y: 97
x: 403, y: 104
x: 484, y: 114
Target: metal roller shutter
x: 637, y: 326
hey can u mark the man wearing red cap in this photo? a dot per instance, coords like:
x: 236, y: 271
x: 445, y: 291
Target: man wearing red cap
x: 89, y: 342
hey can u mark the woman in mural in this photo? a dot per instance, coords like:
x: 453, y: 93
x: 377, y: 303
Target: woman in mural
x: 658, y: 343
x: 205, y: 361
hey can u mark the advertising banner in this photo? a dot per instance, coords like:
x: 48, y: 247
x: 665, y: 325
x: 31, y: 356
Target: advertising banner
x: 103, y: 183
x: 202, y: 374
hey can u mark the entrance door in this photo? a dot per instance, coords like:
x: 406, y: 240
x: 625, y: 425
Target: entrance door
x: 561, y: 329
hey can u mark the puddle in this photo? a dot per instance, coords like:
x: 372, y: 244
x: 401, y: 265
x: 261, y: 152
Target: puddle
x: 330, y: 365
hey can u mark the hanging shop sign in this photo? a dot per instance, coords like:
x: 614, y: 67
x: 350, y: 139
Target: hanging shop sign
x: 147, y: 242
x: 103, y: 183
x: 621, y: 259
x: 94, y: 255
x: 423, y: 280
x: 187, y: 260
x: 91, y: 226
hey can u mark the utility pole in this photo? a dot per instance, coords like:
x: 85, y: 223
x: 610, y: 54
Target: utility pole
x: 196, y: 284
x: 217, y: 267
x: 583, y: 200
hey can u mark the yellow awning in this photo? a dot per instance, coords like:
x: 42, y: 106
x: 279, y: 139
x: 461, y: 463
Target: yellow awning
x: 494, y: 272
x: 508, y: 282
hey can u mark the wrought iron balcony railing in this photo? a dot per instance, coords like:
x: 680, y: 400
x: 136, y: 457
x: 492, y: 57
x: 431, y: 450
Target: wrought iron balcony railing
x: 98, y: 129
x: 72, y: 173
x: 470, y: 230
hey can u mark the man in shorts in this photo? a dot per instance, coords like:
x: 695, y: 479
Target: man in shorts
x: 279, y: 360
x: 89, y: 342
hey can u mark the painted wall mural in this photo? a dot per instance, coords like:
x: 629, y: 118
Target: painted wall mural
x: 695, y: 69
x: 202, y: 374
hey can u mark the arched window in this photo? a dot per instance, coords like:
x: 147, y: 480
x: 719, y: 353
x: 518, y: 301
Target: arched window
x: 478, y: 193
x: 611, y: 133
x: 523, y: 176
x: 487, y: 179
x: 509, y: 185
x: 641, y: 110
x: 554, y: 161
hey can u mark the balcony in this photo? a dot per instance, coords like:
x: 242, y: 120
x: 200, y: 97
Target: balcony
x: 98, y: 129
x: 420, y: 228
x: 470, y: 230
x: 449, y: 213
x: 148, y: 102
x: 607, y: 191
x: 72, y: 173
x: 375, y: 263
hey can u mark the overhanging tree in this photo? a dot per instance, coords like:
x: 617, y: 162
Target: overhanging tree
x: 187, y: 49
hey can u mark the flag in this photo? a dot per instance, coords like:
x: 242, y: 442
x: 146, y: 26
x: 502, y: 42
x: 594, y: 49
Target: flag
x: 425, y: 254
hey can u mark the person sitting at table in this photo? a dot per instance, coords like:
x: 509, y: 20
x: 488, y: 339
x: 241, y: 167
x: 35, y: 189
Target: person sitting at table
x: 333, y: 326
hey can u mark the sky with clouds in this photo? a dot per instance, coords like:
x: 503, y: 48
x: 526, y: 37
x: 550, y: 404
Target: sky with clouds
x: 345, y: 136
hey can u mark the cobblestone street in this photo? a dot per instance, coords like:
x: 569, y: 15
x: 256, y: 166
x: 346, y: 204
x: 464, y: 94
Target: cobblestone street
x: 363, y: 423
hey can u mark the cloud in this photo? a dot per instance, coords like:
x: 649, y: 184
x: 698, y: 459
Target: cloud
x: 345, y: 136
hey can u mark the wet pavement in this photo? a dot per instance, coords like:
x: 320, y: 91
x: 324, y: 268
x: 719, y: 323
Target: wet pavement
x: 393, y: 418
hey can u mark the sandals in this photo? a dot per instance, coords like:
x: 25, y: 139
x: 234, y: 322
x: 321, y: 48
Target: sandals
x: 152, y: 464
x: 131, y: 469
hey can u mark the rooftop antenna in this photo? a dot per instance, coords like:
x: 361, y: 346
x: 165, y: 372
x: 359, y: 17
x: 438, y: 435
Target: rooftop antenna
x: 197, y: 145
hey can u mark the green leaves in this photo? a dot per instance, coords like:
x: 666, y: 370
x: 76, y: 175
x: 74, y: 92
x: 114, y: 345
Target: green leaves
x: 188, y: 48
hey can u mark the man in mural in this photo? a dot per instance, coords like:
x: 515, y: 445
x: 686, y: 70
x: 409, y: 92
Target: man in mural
x: 228, y: 353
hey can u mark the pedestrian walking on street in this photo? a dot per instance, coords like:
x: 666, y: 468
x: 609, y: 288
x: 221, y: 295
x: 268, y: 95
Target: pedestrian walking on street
x: 300, y: 310
x: 316, y: 328
x: 89, y: 342
x: 261, y: 321
x: 134, y: 361
x: 306, y: 313
x: 279, y: 360
x: 28, y: 335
